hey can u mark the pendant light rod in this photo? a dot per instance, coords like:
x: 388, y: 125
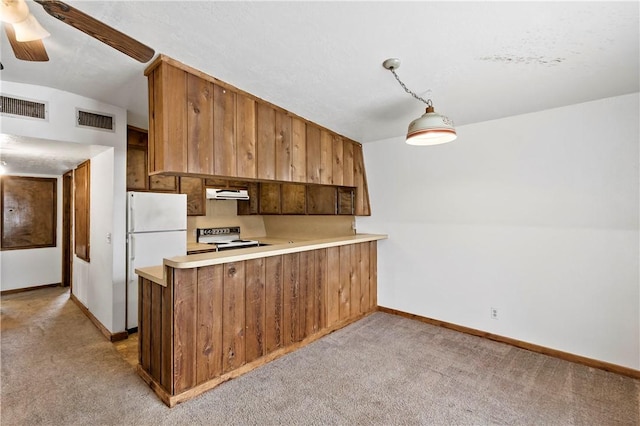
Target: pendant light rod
x: 394, y: 63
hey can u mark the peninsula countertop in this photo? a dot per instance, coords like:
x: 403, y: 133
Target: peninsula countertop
x: 274, y: 247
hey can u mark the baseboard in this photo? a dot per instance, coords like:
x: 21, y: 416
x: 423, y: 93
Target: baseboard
x: 113, y: 337
x: 589, y: 362
x: 22, y: 290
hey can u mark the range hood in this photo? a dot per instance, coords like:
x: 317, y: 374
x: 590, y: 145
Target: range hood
x: 227, y: 194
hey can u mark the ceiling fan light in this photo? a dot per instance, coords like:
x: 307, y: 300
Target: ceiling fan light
x: 430, y: 129
x: 12, y: 11
x: 29, y: 30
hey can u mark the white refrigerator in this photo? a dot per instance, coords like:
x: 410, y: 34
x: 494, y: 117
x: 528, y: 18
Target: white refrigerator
x: 156, y: 229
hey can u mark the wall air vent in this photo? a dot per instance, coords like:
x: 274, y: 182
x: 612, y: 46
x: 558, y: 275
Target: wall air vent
x: 23, y: 108
x: 95, y: 120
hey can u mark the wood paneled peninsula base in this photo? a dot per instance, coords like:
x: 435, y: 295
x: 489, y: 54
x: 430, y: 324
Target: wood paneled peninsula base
x: 207, y: 318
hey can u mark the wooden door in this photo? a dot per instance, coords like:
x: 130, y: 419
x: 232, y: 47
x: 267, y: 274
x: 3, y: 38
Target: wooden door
x: 82, y: 191
x: 346, y: 200
x: 67, y: 229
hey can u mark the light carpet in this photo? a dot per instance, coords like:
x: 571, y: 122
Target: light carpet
x: 57, y: 369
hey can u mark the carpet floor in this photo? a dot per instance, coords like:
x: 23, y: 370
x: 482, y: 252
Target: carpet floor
x: 57, y: 369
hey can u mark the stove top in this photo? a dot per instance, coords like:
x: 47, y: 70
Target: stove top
x: 224, y: 238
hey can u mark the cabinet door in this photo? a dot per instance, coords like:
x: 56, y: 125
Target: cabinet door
x: 346, y: 200
x: 313, y: 154
x: 326, y: 157
x: 293, y: 198
x: 224, y: 131
x: 269, y: 198
x: 266, y: 141
x: 162, y: 183
x: 194, y: 188
x: 246, y: 137
x: 321, y: 199
x: 298, y: 150
x: 250, y: 206
x: 137, y: 177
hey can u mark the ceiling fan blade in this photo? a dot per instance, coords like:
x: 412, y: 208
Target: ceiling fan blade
x: 26, y: 50
x: 97, y: 29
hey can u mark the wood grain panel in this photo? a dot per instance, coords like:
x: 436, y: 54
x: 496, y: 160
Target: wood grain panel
x: 314, y: 154
x: 269, y: 198
x: 333, y: 285
x: 293, y: 198
x: 200, y: 111
x: 365, y: 278
x: 224, y: 131
x: 322, y: 199
x: 137, y: 176
x: 308, y: 317
x: 338, y: 160
x: 255, y: 313
x: 266, y: 141
x: 233, y: 314
x: 298, y: 150
x: 291, y: 297
x: 321, y: 288
x: 345, y: 282
x: 283, y: 146
x: 194, y: 188
x: 326, y: 157
x: 163, y: 183
x: 173, y: 148
x: 166, y: 358
x: 273, y: 303
x: 355, y: 282
x: 360, y: 182
x: 155, y: 109
x: 185, y: 328
x: 246, y: 137
x: 347, y: 163
x: 144, y: 324
x: 155, y: 327
x: 209, y: 336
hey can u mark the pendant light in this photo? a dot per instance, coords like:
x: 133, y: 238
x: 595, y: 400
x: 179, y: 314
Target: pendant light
x: 429, y: 129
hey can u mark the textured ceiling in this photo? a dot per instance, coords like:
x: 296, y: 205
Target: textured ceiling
x: 477, y: 61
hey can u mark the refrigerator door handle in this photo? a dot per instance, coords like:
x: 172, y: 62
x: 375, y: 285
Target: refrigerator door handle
x: 132, y: 247
x: 131, y: 215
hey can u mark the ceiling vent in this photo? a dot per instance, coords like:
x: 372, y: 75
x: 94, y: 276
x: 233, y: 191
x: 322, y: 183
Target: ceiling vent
x: 23, y: 108
x: 95, y: 120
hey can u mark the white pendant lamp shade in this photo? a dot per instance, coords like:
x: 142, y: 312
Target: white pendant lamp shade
x: 431, y: 129
x: 29, y: 30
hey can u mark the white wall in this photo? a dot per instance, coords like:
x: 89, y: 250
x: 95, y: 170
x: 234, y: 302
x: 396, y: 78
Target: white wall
x: 535, y: 215
x: 17, y: 266
x: 99, y: 284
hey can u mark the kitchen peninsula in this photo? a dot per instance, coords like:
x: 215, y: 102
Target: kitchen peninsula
x: 207, y: 318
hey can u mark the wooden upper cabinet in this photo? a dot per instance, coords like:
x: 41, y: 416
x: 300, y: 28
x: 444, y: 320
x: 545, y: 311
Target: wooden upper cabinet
x: 246, y: 137
x: 266, y: 141
x: 224, y: 131
x: 196, y: 201
x: 168, y: 119
x: 269, y: 198
x: 293, y: 198
x: 199, y: 125
x: 283, y: 146
x: 314, y: 154
x: 138, y: 178
x: 298, y: 150
x: 321, y: 199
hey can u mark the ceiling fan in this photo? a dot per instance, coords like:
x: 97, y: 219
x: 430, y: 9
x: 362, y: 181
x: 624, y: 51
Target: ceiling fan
x: 25, y: 33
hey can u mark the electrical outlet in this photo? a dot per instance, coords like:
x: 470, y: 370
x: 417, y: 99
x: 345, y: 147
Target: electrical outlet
x: 494, y: 313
